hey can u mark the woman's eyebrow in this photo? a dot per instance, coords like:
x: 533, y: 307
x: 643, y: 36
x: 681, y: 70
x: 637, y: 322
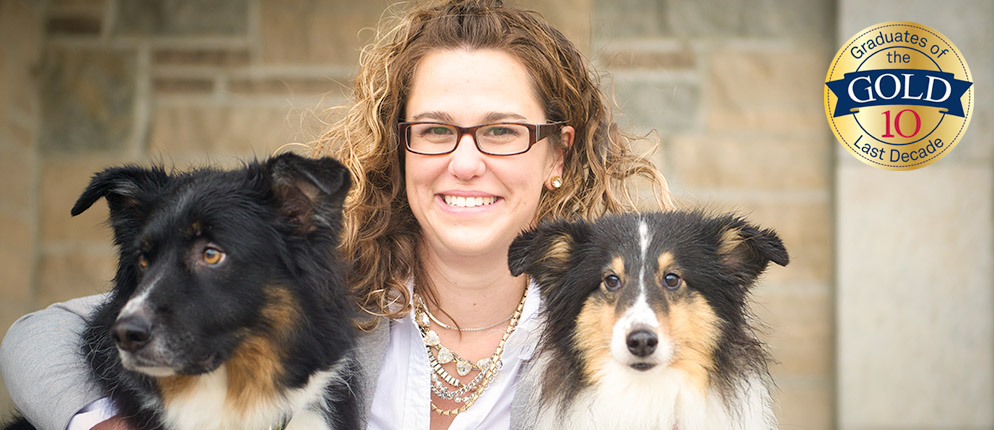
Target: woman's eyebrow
x: 503, y: 116
x: 488, y: 118
x: 432, y: 115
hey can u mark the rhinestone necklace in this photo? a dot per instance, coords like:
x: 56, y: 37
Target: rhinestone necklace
x: 467, y: 393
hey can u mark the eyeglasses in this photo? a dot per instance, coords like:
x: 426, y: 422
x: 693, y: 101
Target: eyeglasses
x: 506, y: 138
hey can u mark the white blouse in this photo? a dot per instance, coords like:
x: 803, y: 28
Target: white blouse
x: 403, y: 390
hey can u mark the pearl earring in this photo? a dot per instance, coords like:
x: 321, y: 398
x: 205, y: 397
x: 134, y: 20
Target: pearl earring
x: 557, y: 181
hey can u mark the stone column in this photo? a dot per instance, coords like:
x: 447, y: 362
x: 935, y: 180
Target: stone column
x: 915, y: 305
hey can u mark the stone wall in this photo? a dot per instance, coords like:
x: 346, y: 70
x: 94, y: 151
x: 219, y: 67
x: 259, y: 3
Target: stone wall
x: 20, y: 113
x: 732, y: 90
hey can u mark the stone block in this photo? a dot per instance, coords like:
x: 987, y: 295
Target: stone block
x: 801, y: 334
x: 87, y: 99
x: 286, y: 87
x: 750, y: 163
x: 16, y: 265
x: 654, y: 104
x: 316, y: 31
x: 73, y: 26
x: 22, y: 137
x: 562, y: 14
x: 20, y: 20
x: 809, y: 21
x: 62, y: 181
x: 242, y: 130
x: 623, y: 19
x: 77, y: 3
x: 201, y: 57
x: 17, y: 231
x: 915, y: 303
x: 805, y: 405
x: 715, y: 19
x: 667, y: 60
x: 182, y: 18
x: 766, y: 91
x: 23, y: 106
x: 18, y: 173
x: 17, y: 253
x: 68, y: 274
x: 173, y: 86
x: 707, y: 19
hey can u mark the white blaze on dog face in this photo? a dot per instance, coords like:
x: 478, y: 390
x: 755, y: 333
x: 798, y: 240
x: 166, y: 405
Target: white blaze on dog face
x: 643, y: 314
x: 644, y: 238
x: 138, y: 302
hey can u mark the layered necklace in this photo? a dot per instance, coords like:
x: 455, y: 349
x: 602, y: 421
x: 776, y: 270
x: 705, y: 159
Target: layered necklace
x: 443, y: 384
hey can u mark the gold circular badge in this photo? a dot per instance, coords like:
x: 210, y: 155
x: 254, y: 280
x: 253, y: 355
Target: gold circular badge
x: 898, y: 95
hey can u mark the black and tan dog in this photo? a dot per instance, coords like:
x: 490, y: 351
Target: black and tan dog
x: 647, y: 323
x: 229, y: 309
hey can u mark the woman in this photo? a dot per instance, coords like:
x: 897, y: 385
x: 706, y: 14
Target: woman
x: 471, y: 122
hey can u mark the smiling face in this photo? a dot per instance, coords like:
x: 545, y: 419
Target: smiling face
x: 469, y: 204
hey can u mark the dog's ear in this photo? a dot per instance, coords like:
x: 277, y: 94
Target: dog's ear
x: 123, y: 187
x: 546, y: 252
x: 310, y: 191
x: 128, y: 191
x: 746, y: 250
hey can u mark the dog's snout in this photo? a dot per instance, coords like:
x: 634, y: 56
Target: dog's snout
x: 132, y: 332
x: 642, y: 343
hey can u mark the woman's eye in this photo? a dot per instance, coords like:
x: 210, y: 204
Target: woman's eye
x: 612, y: 282
x: 500, y: 131
x: 672, y: 281
x: 212, y: 256
x: 438, y: 131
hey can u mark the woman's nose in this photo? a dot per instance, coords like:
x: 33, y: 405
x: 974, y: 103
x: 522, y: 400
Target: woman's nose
x: 467, y: 161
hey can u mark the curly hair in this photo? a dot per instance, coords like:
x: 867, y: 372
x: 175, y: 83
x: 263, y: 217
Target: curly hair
x: 381, y: 235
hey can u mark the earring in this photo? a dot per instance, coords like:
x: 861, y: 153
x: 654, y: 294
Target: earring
x: 557, y: 181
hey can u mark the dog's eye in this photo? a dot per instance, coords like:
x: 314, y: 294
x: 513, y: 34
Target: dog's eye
x: 142, y: 261
x: 672, y: 281
x: 612, y: 282
x: 213, y: 256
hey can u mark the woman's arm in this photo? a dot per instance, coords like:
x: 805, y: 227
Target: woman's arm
x: 42, y: 366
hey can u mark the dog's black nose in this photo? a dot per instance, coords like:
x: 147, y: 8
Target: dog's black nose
x: 642, y: 343
x: 131, y: 333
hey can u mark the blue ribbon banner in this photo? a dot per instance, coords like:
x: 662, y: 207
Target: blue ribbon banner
x: 899, y: 87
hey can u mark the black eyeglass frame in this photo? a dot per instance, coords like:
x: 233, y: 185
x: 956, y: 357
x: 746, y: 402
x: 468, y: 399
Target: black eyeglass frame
x: 536, y: 132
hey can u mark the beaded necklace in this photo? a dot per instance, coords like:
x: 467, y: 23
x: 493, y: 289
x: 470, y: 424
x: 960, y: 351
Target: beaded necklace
x: 465, y: 393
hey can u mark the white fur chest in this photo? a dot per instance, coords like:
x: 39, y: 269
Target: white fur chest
x: 198, y: 408
x: 662, y: 399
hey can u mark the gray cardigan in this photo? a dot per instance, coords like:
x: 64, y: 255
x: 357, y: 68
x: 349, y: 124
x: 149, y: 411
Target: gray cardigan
x: 42, y: 346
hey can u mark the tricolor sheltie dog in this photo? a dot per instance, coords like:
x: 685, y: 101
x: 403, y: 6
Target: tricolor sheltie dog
x: 229, y: 309
x: 647, y: 324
